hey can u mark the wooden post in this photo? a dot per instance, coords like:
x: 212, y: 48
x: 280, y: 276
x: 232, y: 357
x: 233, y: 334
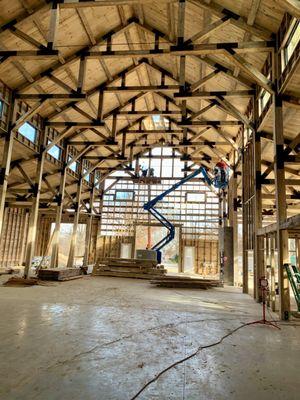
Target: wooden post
x: 245, y: 177
x: 31, y: 240
x: 272, y: 283
x: 99, y: 237
x: 70, y: 262
x: 233, y: 217
x: 59, y: 209
x: 258, y: 245
x: 6, y: 159
x: 282, y: 235
x: 88, y: 233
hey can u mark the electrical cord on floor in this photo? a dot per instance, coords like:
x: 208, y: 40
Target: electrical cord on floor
x: 188, y: 358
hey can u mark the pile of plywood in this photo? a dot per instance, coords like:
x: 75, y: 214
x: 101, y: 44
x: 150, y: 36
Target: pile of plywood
x: 129, y: 268
x: 175, y: 281
x: 60, y: 274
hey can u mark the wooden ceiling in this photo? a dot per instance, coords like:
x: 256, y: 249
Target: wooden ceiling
x: 113, y: 64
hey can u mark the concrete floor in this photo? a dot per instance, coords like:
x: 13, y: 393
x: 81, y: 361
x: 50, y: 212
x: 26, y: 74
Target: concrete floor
x: 104, y: 338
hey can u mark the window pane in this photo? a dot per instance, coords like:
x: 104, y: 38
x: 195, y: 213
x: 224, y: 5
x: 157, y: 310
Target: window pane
x: 72, y: 166
x: 293, y: 41
x: 195, y: 197
x: 124, y: 195
x: 54, y: 151
x: 167, y: 167
x: 28, y: 131
x: 167, y: 151
x: 86, y: 177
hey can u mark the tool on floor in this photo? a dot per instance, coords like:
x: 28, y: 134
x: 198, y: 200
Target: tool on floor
x: 264, y: 288
x: 220, y: 181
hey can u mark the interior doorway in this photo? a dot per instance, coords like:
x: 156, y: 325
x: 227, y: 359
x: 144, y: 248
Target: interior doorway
x: 126, y: 249
x: 189, y: 259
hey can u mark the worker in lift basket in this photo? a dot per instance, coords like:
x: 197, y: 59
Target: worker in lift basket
x: 221, y: 173
x: 143, y: 170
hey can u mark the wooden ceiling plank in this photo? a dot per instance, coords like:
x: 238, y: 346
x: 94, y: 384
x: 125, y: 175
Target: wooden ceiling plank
x: 236, y: 19
x: 86, y: 26
x: 209, y: 30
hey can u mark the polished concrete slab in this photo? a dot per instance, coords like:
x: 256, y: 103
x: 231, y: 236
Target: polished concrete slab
x: 104, y: 338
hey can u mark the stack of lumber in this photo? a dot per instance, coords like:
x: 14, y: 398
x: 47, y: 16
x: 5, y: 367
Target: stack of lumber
x: 129, y: 268
x: 175, y: 281
x: 59, y: 274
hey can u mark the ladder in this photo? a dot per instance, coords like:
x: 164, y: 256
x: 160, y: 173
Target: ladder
x: 293, y: 274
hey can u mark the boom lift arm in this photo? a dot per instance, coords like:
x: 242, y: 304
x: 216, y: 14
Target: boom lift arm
x: 149, y: 206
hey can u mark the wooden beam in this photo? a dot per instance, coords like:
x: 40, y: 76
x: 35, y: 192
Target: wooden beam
x: 259, y: 78
x: 54, y: 22
x: 150, y: 88
x: 292, y: 6
x: 210, y: 123
x: 233, y: 110
x: 71, y: 124
x: 202, y: 81
x: 28, y: 39
x: 209, y: 30
x: 195, y: 49
x: 70, y: 263
x: 54, y: 96
x: 59, y: 209
x: 214, y: 94
x: 33, y: 218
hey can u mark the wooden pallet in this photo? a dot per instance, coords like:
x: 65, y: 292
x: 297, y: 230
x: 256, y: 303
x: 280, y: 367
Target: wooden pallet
x: 129, y: 268
x: 58, y: 274
x: 185, y: 282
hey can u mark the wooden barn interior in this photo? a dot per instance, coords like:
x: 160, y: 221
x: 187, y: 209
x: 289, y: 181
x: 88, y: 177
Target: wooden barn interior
x: 150, y: 199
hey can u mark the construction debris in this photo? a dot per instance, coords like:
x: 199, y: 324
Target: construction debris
x: 129, y: 268
x: 9, y: 271
x: 59, y: 274
x: 18, y: 281
x: 172, y: 281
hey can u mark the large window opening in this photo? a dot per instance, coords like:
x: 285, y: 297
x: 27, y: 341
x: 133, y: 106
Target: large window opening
x: 65, y: 236
x: 291, y: 44
x: 28, y: 131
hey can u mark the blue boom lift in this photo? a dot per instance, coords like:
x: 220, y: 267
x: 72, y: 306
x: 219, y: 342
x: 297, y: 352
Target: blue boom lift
x: 220, y: 181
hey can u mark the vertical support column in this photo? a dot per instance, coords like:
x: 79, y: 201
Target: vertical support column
x: 33, y: 218
x: 233, y: 211
x: 272, y: 263
x: 245, y: 177
x: 59, y: 209
x: 98, y: 241
x: 282, y: 235
x: 258, y: 240
x: 88, y: 233
x: 70, y: 262
x: 182, y: 65
x: 6, y: 159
